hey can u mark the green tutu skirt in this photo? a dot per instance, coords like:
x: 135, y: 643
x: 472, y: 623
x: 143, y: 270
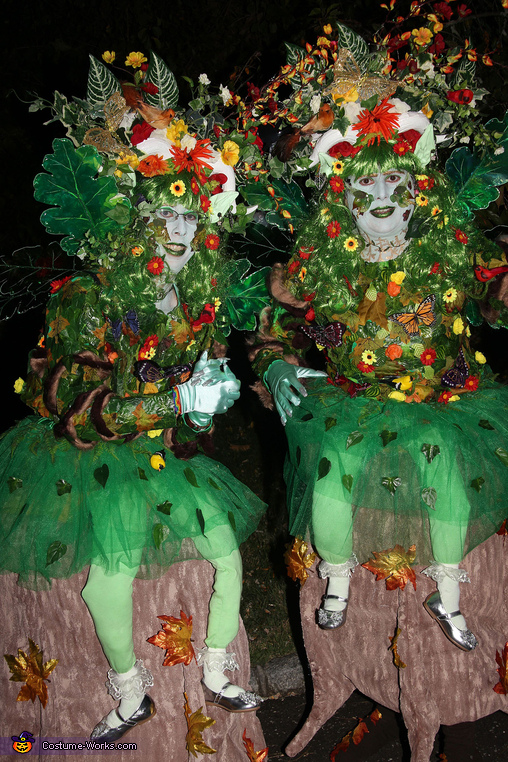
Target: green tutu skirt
x: 432, y: 475
x: 63, y: 508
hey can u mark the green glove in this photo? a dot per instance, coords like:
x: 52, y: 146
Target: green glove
x: 282, y: 380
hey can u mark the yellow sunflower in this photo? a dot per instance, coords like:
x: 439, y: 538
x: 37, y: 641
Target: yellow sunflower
x: 351, y: 244
x: 177, y: 188
x: 450, y: 295
x: 338, y: 167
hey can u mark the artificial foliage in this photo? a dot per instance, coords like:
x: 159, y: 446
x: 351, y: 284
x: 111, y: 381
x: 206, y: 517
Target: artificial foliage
x: 298, y: 560
x: 394, y: 566
x: 197, y: 723
x: 30, y: 669
x: 252, y: 754
x: 175, y: 638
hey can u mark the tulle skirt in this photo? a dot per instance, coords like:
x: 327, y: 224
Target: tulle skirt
x: 432, y: 474
x: 63, y: 508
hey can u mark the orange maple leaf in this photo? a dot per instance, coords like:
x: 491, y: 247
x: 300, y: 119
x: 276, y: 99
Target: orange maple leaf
x: 341, y: 746
x: 298, y: 560
x: 375, y: 716
x: 502, y: 661
x: 394, y: 566
x: 196, y: 723
x: 175, y: 637
x: 503, y: 529
x: 253, y: 756
x: 354, y: 735
x: 144, y: 421
x: 359, y: 732
x: 30, y: 669
x: 393, y: 648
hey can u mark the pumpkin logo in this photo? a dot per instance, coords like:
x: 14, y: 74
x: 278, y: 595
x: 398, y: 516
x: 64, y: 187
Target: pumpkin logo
x: 22, y: 743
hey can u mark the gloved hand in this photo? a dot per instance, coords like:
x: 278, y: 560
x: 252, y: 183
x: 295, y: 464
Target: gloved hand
x: 212, y: 388
x: 282, y: 380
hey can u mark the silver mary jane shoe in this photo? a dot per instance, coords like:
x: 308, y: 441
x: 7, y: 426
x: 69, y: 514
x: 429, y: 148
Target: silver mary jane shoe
x: 331, y: 620
x: 246, y: 701
x: 103, y: 732
x: 463, y: 639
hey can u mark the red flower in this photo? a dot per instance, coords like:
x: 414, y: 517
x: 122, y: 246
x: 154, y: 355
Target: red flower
x: 461, y: 237
x: 155, y: 265
x: 293, y: 267
x: 428, y: 356
x: 309, y: 297
x: 438, y: 45
x: 343, y: 149
x: 445, y: 397
x: 194, y: 160
x: 410, y: 136
x: 152, y: 166
x: 150, y: 88
x: 426, y: 184
x: 401, y: 147
x: 310, y: 315
x: 333, y: 229
x: 378, y: 123
x: 141, y: 132
x: 444, y: 9
x: 212, y: 241
x: 214, y: 282
x: 463, y: 10
x: 218, y: 179
x: 337, y: 184
x: 436, y: 268
x: 147, y: 351
x: 305, y: 253
x: 205, y: 203
x: 460, y: 96
x: 144, y: 67
x: 254, y: 92
x: 194, y: 185
x: 365, y: 367
x: 56, y: 285
x: 472, y: 383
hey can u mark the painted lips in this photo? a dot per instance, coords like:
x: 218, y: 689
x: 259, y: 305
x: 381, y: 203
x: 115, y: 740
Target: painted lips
x: 382, y: 212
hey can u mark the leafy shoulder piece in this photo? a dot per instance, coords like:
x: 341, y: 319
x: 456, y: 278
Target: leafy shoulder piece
x: 355, y: 44
x: 101, y: 83
x: 476, y: 180
x: 164, y: 80
x: 82, y: 201
x: 294, y: 53
x: 26, y: 275
x: 247, y: 295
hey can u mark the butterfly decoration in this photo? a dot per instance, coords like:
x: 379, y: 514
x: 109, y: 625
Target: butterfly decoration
x: 328, y: 336
x: 456, y: 376
x: 130, y: 319
x: 424, y: 314
x: 149, y: 372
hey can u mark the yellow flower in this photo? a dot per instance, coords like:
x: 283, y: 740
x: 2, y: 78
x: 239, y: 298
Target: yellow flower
x: 422, y: 36
x: 230, y: 153
x: 302, y: 274
x: 350, y: 96
x: 324, y: 212
x: 18, y: 385
x: 435, y: 211
x: 468, y: 332
x: 137, y: 251
x: 327, y: 29
x: 427, y: 111
x: 444, y: 221
x: 450, y: 295
x: 135, y: 60
x: 217, y: 303
x: 128, y: 158
x: 154, y: 433
x: 397, y: 396
x: 398, y: 277
x: 176, y: 130
x: 177, y: 188
x: 458, y: 326
x: 190, y: 344
x: 437, y: 24
x: 338, y: 167
x: 403, y: 382
x: 454, y: 398
x: 351, y: 244
x: 368, y: 357
x: 480, y: 358
x: 118, y: 173
x: 422, y: 200
x: 109, y: 56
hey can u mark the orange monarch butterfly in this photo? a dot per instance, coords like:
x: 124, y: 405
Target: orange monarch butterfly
x: 424, y: 313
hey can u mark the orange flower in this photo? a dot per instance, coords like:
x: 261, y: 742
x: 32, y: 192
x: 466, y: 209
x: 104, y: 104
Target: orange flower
x: 393, y: 289
x: 393, y: 352
x: 153, y: 165
x: 381, y: 121
x: 193, y: 160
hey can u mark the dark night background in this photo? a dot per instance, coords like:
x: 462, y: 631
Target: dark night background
x: 46, y: 48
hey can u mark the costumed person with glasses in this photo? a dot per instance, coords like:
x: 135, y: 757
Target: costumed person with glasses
x: 125, y: 384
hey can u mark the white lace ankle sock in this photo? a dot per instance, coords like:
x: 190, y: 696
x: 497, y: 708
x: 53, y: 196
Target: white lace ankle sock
x: 127, y: 706
x: 449, y: 591
x: 215, y: 679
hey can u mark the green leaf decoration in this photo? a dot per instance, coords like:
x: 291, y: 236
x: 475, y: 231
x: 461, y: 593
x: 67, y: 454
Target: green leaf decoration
x: 221, y: 205
x: 159, y: 75
x: 55, y: 552
x: 323, y: 468
x: 190, y: 476
x: 232, y: 521
x: 142, y: 474
x: 502, y: 455
x: 347, y: 481
x: 430, y: 451
x: 101, y: 474
x: 307, y: 417
x: 425, y: 146
x: 391, y: 483
x: 294, y: 53
x: 81, y: 199
x: 165, y: 508
x: 330, y: 423
x: 158, y: 535
x: 213, y: 484
x: 101, y: 83
x: 355, y: 44
x: 388, y: 436
x: 486, y: 424
x: 14, y: 483
x: 478, y: 483
x: 201, y: 520
x: 429, y: 497
x: 62, y: 487
x: 247, y: 296
x: 292, y: 201
x: 298, y: 455
x: 353, y: 439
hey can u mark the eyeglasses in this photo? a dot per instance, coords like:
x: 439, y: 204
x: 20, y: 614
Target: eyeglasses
x: 171, y: 215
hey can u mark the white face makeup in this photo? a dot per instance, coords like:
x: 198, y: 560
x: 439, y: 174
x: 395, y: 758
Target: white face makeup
x: 381, y: 203
x: 179, y: 229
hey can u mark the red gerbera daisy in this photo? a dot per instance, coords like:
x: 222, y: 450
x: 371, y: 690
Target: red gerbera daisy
x: 155, y: 265
x: 337, y: 184
x: 428, y: 356
x: 472, y: 383
x: 461, y: 237
x: 212, y: 241
x: 380, y: 122
x: 333, y: 229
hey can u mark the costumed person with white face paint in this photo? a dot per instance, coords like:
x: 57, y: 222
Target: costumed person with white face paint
x: 124, y: 386
x: 387, y: 445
